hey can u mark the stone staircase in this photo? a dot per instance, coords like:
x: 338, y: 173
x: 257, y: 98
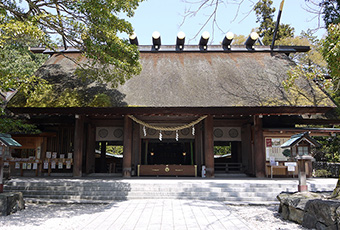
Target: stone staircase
x: 99, y: 190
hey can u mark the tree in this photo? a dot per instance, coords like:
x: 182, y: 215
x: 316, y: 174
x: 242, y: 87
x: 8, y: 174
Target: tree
x: 331, y: 53
x: 90, y: 25
x: 331, y: 11
x: 265, y: 13
x: 310, y: 59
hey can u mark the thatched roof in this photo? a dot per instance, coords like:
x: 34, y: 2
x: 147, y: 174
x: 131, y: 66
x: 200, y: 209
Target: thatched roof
x: 199, y: 79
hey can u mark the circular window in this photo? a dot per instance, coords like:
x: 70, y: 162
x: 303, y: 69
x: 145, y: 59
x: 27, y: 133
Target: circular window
x: 185, y: 132
x: 151, y: 132
x: 118, y: 133
x: 233, y: 133
x: 218, y: 133
x: 103, y: 133
x: 168, y: 133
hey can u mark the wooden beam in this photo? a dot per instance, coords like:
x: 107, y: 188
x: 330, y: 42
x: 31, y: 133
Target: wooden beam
x: 78, y: 146
x: 259, y: 151
x: 127, y: 148
x: 209, y: 146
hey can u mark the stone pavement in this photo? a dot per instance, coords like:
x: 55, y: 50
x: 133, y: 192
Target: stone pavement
x: 166, y: 214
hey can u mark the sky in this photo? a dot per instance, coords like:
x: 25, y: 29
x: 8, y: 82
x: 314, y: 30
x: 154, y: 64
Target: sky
x: 166, y: 16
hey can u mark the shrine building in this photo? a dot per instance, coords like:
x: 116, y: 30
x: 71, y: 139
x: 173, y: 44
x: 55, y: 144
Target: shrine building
x: 188, y: 101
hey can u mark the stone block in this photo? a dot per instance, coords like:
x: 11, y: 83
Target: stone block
x: 309, y: 221
x: 11, y: 202
x: 320, y: 226
x: 296, y: 215
x: 284, y: 212
x: 323, y: 210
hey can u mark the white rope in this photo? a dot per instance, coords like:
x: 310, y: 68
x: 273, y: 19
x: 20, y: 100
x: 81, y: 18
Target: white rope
x: 160, y: 128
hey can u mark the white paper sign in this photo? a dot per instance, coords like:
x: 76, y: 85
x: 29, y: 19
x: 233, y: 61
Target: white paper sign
x: 54, y: 155
x: 46, y: 165
x: 69, y: 155
x: 62, y: 156
x: 38, y: 152
x: 29, y: 165
x: 68, y: 164
x: 35, y: 165
x: 53, y: 165
x: 48, y: 154
x: 291, y: 168
x: 17, y: 165
x: 60, y: 165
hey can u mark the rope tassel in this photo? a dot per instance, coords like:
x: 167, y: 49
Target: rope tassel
x: 160, y: 135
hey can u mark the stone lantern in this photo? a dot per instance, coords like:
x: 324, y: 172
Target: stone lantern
x: 300, y: 149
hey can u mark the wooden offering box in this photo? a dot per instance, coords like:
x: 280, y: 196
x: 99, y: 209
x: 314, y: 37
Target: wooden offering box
x: 167, y: 170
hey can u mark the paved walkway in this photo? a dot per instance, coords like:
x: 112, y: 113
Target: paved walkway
x: 165, y: 214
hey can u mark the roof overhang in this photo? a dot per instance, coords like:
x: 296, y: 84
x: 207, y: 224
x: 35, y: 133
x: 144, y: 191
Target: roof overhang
x: 233, y: 110
x: 8, y: 141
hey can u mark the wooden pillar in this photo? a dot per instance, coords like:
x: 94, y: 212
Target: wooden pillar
x: 209, y: 146
x: 198, y: 147
x: 259, y: 151
x: 103, y: 165
x: 127, y: 148
x: 136, y: 150
x: 90, y: 149
x: 246, y: 148
x: 78, y: 145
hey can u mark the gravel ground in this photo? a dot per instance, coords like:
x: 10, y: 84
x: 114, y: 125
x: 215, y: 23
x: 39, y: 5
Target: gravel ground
x: 72, y: 216
x: 264, y: 217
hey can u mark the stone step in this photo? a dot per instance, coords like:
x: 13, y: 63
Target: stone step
x: 242, y: 190
x: 113, y: 198
x: 28, y: 193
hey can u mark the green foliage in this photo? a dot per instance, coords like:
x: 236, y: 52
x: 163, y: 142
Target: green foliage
x: 115, y: 149
x: 330, y: 150
x: 90, y: 25
x: 17, y: 65
x: 322, y: 173
x: 101, y: 100
x: 221, y: 150
x: 310, y: 59
x: 265, y: 14
x: 50, y: 97
x: 239, y: 39
x: 331, y: 11
x: 9, y: 125
x: 331, y: 50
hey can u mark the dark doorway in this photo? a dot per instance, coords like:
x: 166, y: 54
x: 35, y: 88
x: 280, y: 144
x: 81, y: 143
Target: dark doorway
x: 168, y: 152
x: 109, y: 157
x: 227, y: 156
